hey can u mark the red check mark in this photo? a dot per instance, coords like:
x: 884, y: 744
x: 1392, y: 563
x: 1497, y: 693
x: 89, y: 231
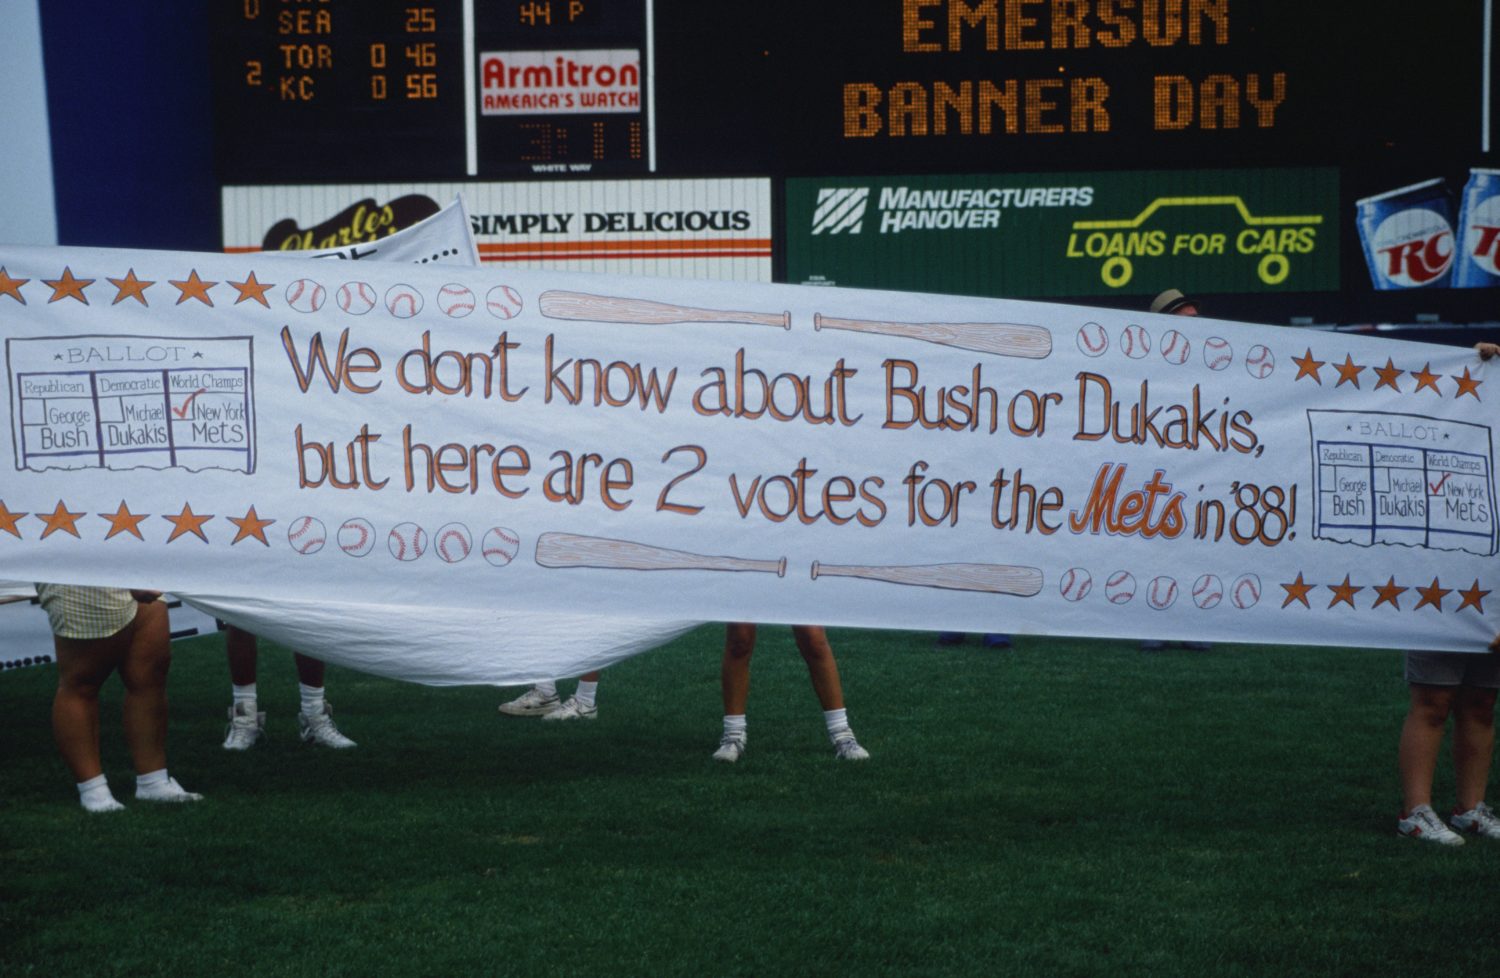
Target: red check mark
x: 187, y: 405
x: 1434, y: 488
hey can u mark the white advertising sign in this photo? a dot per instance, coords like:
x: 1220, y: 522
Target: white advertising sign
x: 707, y: 229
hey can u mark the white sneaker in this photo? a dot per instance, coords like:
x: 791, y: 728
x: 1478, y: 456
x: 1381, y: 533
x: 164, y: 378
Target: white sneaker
x: 245, y: 728
x: 1422, y: 823
x: 531, y: 704
x: 731, y: 748
x: 168, y: 790
x: 846, y: 748
x: 321, y: 731
x: 571, y: 709
x: 1479, y: 820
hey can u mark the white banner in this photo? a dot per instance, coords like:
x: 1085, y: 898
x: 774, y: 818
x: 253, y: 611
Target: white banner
x: 621, y: 447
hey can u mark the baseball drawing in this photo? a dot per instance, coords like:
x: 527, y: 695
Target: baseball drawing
x: 1245, y: 592
x: 407, y: 541
x: 1175, y: 347
x: 1119, y: 588
x: 356, y: 537
x: 456, y: 301
x: 500, y: 545
x: 453, y: 542
x: 1092, y: 340
x: 403, y: 301
x: 355, y: 298
x: 503, y: 302
x: 1161, y: 592
x: 1135, y: 341
x: 305, y: 295
x: 306, y: 534
x: 1208, y: 591
x: 1217, y: 353
x: 1259, y: 362
x: 1075, y: 584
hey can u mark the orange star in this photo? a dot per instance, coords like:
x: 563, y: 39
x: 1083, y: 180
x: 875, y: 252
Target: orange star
x: 123, y: 520
x: 1297, y: 591
x: 1466, y: 383
x: 68, y: 286
x: 1389, y: 594
x: 251, y: 289
x: 250, y: 525
x: 1473, y: 597
x: 1349, y: 372
x: 1426, y: 378
x: 1432, y: 595
x: 193, y: 287
x: 60, y: 519
x: 1344, y: 592
x: 131, y: 288
x: 12, y: 286
x: 1388, y: 375
x: 1308, y: 367
x: 187, y: 521
x: 8, y: 520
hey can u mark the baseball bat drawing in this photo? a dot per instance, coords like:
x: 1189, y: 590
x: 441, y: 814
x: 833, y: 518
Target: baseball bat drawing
x: 1002, y: 339
x: 572, y: 550
x: 613, y: 309
x: 996, y: 578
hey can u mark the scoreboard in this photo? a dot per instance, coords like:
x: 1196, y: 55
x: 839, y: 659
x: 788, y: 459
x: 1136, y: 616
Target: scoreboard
x: 435, y: 89
x: 444, y: 89
x: 1293, y: 110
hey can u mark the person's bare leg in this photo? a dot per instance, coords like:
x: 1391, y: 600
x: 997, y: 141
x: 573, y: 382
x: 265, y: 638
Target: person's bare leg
x: 822, y: 669
x: 734, y: 670
x: 1473, y: 743
x: 82, y: 667
x: 1421, y: 736
x: 242, y: 650
x: 144, y: 673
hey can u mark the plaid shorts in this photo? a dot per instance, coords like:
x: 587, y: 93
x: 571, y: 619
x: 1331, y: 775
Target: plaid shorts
x: 86, y: 612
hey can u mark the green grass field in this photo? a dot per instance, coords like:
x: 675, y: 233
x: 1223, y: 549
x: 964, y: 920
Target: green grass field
x: 1068, y: 808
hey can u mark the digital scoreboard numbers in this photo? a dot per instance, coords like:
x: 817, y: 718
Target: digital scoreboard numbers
x: 361, y: 90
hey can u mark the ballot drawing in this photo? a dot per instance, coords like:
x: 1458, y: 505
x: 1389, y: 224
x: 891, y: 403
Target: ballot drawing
x: 130, y: 402
x: 1403, y: 479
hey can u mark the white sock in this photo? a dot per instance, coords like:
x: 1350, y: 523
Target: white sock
x: 312, y: 700
x: 151, y: 779
x: 585, y: 693
x: 837, y: 721
x: 546, y: 689
x: 244, y: 694
x: 157, y: 786
x: 734, y: 726
x: 94, y: 795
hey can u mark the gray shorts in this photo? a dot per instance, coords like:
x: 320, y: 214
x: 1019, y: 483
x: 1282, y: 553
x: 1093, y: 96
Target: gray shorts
x: 1454, y: 669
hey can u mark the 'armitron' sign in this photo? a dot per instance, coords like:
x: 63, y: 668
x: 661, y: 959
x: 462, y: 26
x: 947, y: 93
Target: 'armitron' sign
x: 552, y: 82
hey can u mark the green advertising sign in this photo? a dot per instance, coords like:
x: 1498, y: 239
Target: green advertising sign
x: 1069, y: 234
